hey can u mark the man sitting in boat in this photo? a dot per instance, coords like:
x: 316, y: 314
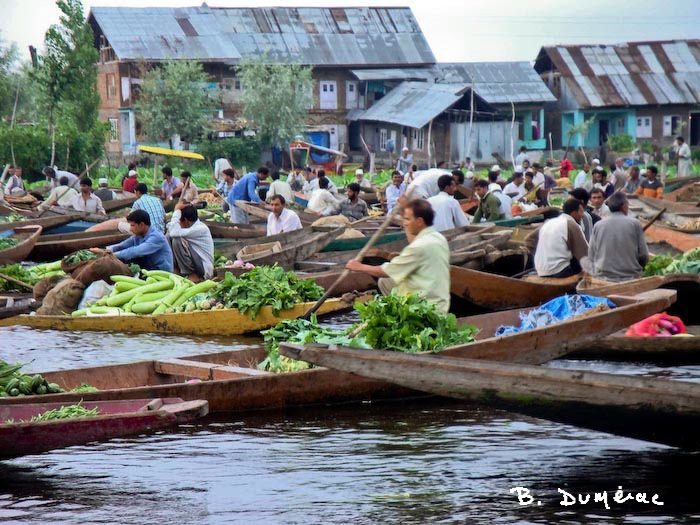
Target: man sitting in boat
x: 365, y: 184
x: 61, y: 196
x: 86, y: 200
x: 489, y: 208
x: 279, y: 187
x: 561, y: 244
x: 322, y: 200
x: 599, y: 208
x: 448, y: 212
x: 103, y: 192
x: 189, y: 193
x: 422, y: 267
x: 618, y: 251
x: 281, y: 220
x: 315, y: 183
x: 651, y: 186
x: 151, y: 205
x: 353, y: 207
x: 394, y: 191
x: 171, y: 187
x: 191, y: 244
x: 296, y: 179
x: 14, y: 187
x: 146, y: 247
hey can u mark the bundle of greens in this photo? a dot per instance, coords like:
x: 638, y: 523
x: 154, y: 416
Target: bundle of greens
x: 401, y: 323
x: 19, y: 273
x: 689, y: 262
x: 265, y: 286
x: 8, y: 242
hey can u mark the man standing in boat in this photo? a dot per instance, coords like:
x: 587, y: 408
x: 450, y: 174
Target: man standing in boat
x: 618, y: 250
x: 422, y: 267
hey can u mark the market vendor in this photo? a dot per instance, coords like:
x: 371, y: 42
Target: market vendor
x: 146, y: 247
x: 191, y: 243
x: 422, y: 267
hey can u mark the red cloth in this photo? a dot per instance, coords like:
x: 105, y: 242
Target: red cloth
x: 565, y: 167
x: 130, y: 184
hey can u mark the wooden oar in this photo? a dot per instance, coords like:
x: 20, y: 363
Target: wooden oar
x: 16, y: 281
x: 653, y: 219
x: 358, y: 257
x: 76, y: 181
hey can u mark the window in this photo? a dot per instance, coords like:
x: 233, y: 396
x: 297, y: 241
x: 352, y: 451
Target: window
x: 328, y: 95
x: 671, y: 125
x: 643, y: 127
x: 113, y: 130
x: 382, y: 139
x: 111, y: 86
x: 417, y: 136
x: 231, y: 84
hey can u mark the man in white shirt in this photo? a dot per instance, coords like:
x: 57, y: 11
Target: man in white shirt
x: 425, y: 185
x: 520, y: 157
x: 561, y: 244
x: 313, y: 184
x: 394, y: 190
x: 279, y: 187
x: 684, y: 157
x: 281, y: 220
x: 506, y: 203
x: 61, y: 195
x: 86, y: 200
x: 582, y: 179
x: 597, y: 202
x: 191, y: 243
x: 54, y: 176
x: 515, y: 189
x: 322, y: 201
x: 448, y: 212
x: 365, y: 184
x: 404, y: 162
x: 296, y: 179
x: 538, y: 174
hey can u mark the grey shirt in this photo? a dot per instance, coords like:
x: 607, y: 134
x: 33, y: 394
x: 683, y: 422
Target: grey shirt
x: 617, y: 249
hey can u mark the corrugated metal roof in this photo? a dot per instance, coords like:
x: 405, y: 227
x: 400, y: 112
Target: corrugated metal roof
x: 629, y: 74
x: 363, y: 36
x: 413, y: 104
x: 499, y: 82
x: 397, y: 73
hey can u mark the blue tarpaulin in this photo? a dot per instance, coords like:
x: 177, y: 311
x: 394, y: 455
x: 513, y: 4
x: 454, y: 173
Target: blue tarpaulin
x: 555, y: 311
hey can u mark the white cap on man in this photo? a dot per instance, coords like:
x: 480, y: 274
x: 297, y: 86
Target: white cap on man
x: 404, y: 148
x: 495, y: 167
x: 359, y: 171
x: 103, y: 181
x: 133, y: 173
x: 469, y: 175
x: 595, y: 162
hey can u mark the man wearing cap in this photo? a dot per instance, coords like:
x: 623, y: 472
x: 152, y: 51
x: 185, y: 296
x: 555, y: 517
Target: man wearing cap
x: 86, y: 200
x: 131, y: 181
x: 404, y: 162
x: 104, y: 193
x: 496, y: 169
x: 365, y: 185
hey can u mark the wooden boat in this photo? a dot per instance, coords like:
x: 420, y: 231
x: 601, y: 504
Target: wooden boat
x: 497, y: 292
x: 679, y: 208
x: 209, y: 322
x: 680, y: 241
x: 27, y: 237
x: 229, y: 230
x: 54, y: 246
x: 20, y: 436
x: 676, y: 189
x: 231, y: 382
x: 47, y: 222
x: 341, y: 245
x: 230, y: 249
x: 119, y: 204
x: 657, y: 410
x: 306, y: 217
x: 689, y: 222
x: 16, y: 304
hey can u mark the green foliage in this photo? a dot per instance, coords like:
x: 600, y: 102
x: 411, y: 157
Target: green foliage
x: 265, y: 286
x: 621, y: 142
x: 31, y: 146
x: 240, y: 151
x: 689, y: 262
x: 646, y: 146
x: 8, y: 57
x: 68, y: 97
x: 276, y: 98
x: 172, y: 100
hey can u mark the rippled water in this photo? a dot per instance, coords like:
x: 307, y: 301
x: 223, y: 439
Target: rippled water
x: 416, y: 462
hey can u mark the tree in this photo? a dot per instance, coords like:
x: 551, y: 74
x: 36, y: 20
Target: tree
x: 8, y: 58
x: 68, y: 80
x: 276, y: 98
x: 172, y: 100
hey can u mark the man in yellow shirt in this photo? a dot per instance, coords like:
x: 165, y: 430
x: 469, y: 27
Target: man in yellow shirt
x: 422, y: 267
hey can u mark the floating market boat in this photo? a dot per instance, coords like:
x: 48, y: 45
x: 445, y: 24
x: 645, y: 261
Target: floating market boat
x: 47, y: 222
x: 230, y: 380
x: 54, y: 246
x: 20, y: 436
x: 16, y: 304
x: 680, y: 208
x: 657, y: 410
x: 680, y: 241
x: 229, y: 230
x: 26, y: 238
x: 305, y: 216
x: 206, y: 322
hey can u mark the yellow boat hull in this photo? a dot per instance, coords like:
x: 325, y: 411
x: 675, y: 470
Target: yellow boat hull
x: 210, y: 322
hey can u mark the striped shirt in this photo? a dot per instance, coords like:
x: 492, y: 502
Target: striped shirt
x: 154, y: 208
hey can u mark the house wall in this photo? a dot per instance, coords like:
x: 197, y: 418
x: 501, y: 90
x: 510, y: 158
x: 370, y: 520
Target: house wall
x: 376, y: 134
x: 486, y: 138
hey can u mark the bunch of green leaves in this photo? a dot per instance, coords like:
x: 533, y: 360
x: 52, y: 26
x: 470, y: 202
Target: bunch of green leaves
x: 79, y: 256
x: 8, y: 242
x: 265, y: 286
x: 689, y: 262
x: 66, y: 412
x: 19, y: 273
x: 12, y: 217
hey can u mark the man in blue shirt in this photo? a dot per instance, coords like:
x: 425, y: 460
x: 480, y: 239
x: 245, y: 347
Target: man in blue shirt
x: 246, y: 190
x: 147, y: 247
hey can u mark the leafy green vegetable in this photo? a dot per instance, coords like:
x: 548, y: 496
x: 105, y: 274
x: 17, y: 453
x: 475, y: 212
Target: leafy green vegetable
x: 66, y: 412
x: 656, y: 265
x: 79, y: 256
x: 689, y: 262
x: 8, y: 242
x: 402, y: 323
x: 265, y: 286
x: 19, y: 273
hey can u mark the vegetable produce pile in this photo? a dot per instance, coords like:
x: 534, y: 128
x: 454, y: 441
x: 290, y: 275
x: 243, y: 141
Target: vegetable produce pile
x: 8, y: 242
x: 154, y: 295
x: 13, y: 383
x: 401, y: 323
x: 66, y: 412
x: 265, y: 286
x: 12, y: 217
x: 689, y: 262
x: 658, y: 325
x: 79, y: 256
x: 693, y: 224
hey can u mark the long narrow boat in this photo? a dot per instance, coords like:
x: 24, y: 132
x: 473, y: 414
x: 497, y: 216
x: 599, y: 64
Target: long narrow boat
x: 119, y: 204
x: 680, y: 241
x: 231, y: 382
x: 19, y: 436
x: 229, y: 230
x: 657, y: 410
x: 209, y: 322
x: 231, y: 248
x: 684, y: 223
x: 306, y: 217
x: 342, y: 245
x: 26, y: 237
x: 680, y: 208
x: 16, y: 304
x: 497, y: 292
x: 47, y: 222
x: 54, y: 246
